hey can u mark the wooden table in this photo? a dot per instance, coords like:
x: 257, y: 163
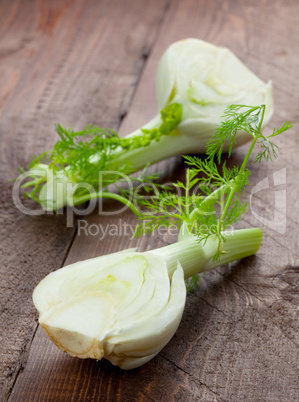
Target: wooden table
x: 94, y: 62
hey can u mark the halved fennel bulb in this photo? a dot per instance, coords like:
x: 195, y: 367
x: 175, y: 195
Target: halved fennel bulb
x: 122, y: 307
x: 126, y: 306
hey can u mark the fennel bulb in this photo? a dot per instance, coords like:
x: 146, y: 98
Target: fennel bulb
x: 196, y: 82
x: 205, y: 80
x: 125, y: 307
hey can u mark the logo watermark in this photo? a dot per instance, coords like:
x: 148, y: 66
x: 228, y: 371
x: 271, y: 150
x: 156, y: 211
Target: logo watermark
x: 60, y: 194
x: 279, y: 222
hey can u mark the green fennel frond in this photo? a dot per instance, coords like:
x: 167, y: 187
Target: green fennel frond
x: 171, y: 116
x: 235, y: 118
x: 191, y: 283
x: 270, y: 150
x: 93, y: 156
x: 210, y: 200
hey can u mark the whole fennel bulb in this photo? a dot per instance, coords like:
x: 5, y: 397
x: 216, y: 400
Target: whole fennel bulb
x: 205, y: 80
x: 196, y: 81
x: 125, y: 307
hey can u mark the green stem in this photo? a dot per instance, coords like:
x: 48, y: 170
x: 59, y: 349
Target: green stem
x: 187, y: 226
x: 262, y: 118
x: 243, y: 166
x: 197, y: 257
x: 234, y: 186
x: 106, y: 194
x: 169, y: 145
x: 187, y: 206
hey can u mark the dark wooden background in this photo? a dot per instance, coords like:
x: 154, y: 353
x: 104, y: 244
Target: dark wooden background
x: 94, y: 62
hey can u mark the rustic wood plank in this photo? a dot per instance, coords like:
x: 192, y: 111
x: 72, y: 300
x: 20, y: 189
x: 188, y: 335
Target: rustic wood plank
x: 71, y: 62
x: 238, y: 339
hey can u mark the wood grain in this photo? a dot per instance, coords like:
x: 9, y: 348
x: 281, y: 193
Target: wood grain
x: 63, y: 61
x: 238, y: 340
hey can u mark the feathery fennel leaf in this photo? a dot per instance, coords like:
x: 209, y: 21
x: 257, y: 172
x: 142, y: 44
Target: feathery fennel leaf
x: 212, y: 197
x: 93, y: 157
x: 235, y: 118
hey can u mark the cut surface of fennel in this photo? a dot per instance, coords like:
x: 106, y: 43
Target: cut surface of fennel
x: 125, y: 307
x: 122, y: 307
